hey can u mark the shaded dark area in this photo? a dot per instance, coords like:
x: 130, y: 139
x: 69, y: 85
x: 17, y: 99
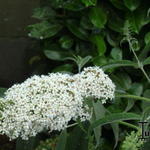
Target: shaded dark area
x: 15, y: 46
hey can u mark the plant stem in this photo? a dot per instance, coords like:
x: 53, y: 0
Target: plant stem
x: 72, y: 125
x: 140, y: 65
x: 133, y: 97
x: 128, y: 125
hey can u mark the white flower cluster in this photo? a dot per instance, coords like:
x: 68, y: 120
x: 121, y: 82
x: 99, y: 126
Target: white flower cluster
x: 93, y: 82
x: 50, y: 102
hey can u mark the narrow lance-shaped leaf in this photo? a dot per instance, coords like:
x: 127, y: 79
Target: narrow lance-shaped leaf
x: 61, y: 145
x: 146, y: 61
x: 121, y: 63
x: 115, y: 118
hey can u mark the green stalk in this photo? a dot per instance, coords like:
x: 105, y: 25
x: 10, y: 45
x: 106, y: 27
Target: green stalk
x: 133, y: 97
x: 129, y: 125
x: 140, y: 65
x: 129, y: 39
x: 71, y: 125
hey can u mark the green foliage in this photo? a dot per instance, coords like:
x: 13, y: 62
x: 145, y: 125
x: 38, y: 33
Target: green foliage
x: 112, y: 34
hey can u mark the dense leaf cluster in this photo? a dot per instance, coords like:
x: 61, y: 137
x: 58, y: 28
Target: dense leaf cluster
x: 112, y: 34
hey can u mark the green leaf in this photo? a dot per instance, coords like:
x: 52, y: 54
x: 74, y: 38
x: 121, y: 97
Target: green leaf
x: 115, y: 64
x: 89, y: 2
x: 138, y: 19
x: 27, y: 145
x: 84, y: 60
x: 80, y: 61
x: 132, y: 4
x: 99, y: 60
x: 146, y: 104
x: 136, y: 89
x: 115, y: 117
x: 99, y: 112
x: 44, y: 30
x: 110, y: 39
x: 2, y: 91
x: 118, y: 4
x: 98, y: 17
x: 144, y: 53
x: 147, y: 38
x: 66, y: 42
x: 116, y: 53
x: 56, y: 55
x: 129, y: 105
x: 63, y: 68
x: 125, y: 80
x: 98, y: 40
x: 72, y: 5
x: 43, y: 13
x: 115, y: 22
x: 86, y: 23
x: 115, y: 127
x: 76, y: 30
x: 146, y: 61
x: 76, y: 140
x: 61, y: 145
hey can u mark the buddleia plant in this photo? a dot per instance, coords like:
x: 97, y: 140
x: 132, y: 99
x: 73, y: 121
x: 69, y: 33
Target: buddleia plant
x: 132, y: 141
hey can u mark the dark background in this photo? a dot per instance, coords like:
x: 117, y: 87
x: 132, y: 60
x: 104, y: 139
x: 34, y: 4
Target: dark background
x: 15, y: 46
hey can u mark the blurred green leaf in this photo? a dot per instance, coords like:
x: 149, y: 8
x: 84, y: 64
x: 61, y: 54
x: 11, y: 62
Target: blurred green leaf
x: 99, y: 112
x: 116, y: 53
x: 98, y: 17
x: 29, y: 144
x: 66, y: 42
x: 62, y: 141
x: 72, y: 5
x: 56, y: 55
x: 130, y: 104
x: 136, y: 89
x: 146, y: 61
x: 76, y: 30
x: 118, y: 4
x: 64, y: 68
x: 132, y: 4
x: 89, y: 2
x: 85, y: 23
x: 76, y: 140
x: 147, y: 38
x: 98, y: 40
x: 115, y: 127
x: 137, y: 19
x: 44, y: 30
x: 43, y: 13
x: 2, y: 91
x: 144, y: 103
x: 99, y: 60
x: 115, y: 22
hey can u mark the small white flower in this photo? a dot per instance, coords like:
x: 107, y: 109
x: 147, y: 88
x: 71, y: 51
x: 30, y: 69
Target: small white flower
x: 41, y: 37
x: 29, y: 34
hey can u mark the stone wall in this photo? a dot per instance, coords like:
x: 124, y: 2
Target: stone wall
x: 14, y: 44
